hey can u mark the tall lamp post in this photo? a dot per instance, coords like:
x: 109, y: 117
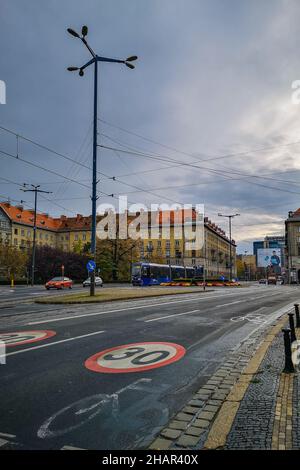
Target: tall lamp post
x: 95, y: 59
x: 230, y: 217
x: 35, y: 189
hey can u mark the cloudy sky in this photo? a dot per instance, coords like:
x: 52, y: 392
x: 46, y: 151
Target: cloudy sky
x: 209, y: 103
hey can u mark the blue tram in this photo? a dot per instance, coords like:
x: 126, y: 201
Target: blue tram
x: 152, y: 274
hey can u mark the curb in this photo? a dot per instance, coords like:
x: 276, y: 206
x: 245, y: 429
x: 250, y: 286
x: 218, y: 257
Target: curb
x: 206, y: 420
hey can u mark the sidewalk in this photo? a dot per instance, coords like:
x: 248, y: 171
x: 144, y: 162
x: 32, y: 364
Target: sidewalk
x: 248, y: 404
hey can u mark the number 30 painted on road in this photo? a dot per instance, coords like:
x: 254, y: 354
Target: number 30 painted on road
x: 136, y: 357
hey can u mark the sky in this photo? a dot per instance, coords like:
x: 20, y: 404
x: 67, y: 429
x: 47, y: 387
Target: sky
x: 211, y: 92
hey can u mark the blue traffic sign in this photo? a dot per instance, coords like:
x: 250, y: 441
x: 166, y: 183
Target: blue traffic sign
x: 91, y: 266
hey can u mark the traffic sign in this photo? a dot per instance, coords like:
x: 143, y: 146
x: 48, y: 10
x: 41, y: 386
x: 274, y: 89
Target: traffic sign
x: 135, y: 357
x: 23, y: 337
x: 91, y: 266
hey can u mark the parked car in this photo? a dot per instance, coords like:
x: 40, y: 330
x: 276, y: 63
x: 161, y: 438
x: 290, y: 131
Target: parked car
x: 59, y: 283
x: 263, y: 281
x: 272, y: 280
x: 98, y: 282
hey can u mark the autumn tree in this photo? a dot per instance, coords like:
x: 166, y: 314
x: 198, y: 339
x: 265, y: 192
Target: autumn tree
x: 13, y: 262
x: 48, y: 263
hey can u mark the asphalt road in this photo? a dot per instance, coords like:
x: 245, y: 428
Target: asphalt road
x: 51, y: 397
x: 21, y: 292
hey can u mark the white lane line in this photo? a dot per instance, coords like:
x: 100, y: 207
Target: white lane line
x: 51, y: 320
x: 3, y: 442
x: 4, y: 434
x: 231, y: 303
x: 51, y: 344
x: 71, y: 448
x: 174, y: 315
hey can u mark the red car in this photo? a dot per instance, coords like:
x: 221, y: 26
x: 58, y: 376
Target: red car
x: 59, y: 283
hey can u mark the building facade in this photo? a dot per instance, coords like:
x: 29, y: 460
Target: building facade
x: 74, y: 234
x: 292, y: 247
x: 213, y: 257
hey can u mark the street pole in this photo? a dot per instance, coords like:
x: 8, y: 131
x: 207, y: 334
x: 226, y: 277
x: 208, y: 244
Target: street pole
x: 35, y: 190
x: 94, y: 189
x: 230, y: 217
x: 95, y: 59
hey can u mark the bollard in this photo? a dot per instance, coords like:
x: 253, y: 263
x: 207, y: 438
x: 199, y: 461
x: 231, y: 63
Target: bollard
x: 288, y: 366
x: 292, y: 327
x: 297, y: 315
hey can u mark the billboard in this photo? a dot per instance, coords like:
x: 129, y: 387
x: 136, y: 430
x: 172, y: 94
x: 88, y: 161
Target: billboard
x: 269, y: 258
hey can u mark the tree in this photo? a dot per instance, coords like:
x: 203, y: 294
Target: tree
x: 114, y: 258
x: 13, y: 262
x: 49, y: 261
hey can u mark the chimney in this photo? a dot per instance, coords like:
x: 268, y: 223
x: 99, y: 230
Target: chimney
x: 20, y: 207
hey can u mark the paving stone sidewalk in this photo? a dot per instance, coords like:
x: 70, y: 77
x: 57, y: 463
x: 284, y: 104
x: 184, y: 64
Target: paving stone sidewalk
x: 249, y: 403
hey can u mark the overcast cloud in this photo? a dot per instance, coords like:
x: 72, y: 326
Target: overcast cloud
x: 213, y: 78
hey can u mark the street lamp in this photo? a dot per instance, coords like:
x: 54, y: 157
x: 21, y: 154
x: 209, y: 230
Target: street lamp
x: 230, y: 217
x: 95, y: 59
x: 35, y: 189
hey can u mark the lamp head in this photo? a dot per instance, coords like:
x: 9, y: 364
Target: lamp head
x: 73, y: 33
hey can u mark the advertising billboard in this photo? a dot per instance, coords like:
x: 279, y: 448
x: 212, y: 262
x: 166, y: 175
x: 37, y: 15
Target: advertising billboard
x: 269, y: 258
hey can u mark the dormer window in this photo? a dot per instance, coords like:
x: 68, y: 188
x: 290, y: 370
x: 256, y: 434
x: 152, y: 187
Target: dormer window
x: 42, y: 222
x: 18, y: 216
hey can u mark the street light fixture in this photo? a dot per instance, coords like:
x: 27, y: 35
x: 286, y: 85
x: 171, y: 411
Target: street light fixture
x: 230, y: 217
x: 95, y: 59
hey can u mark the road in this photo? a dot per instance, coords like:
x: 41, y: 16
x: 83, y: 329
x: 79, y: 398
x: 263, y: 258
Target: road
x: 21, y: 292
x: 51, y: 397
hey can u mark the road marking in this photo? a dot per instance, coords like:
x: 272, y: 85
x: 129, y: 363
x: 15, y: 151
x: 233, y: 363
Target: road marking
x: 17, y: 338
x: 4, y: 434
x: 3, y: 442
x: 174, y: 315
x: 53, y: 344
x: 71, y: 448
x: 231, y: 303
x: 135, y: 357
x: 84, y: 410
x: 51, y: 320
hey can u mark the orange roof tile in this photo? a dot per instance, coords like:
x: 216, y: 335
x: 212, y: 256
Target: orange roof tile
x: 20, y: 215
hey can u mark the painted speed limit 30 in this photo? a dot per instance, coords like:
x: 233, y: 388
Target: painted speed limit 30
x: 23, y: 337
x: 135, y: 357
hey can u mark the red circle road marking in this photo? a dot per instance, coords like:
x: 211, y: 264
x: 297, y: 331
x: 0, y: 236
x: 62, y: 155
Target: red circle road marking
x: 146, y: 348
x: 38, y: 335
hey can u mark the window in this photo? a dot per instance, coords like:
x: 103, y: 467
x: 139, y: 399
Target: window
x: 41, y: 236
x: 16, y: 231
x: 28, y: 233
x: 83, y: 236
x: 76, y: 238
x: 23, y: 233
x: 15, y: 241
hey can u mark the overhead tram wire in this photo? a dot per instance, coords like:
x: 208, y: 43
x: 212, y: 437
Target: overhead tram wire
x: 230, y: 155
x: 159, y: 157
x: 137, y: 154
x: 80, y: 164
x: 210, y: 170
x: 192, y: 164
